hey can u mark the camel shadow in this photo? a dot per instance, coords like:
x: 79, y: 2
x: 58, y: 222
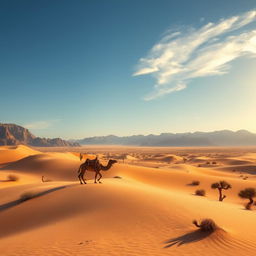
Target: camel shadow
x: 190, y: 237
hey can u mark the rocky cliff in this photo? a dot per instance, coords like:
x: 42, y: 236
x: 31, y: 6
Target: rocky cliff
x: 12, y: 134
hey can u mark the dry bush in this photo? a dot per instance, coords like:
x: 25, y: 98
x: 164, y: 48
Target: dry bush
x: 12, y: 177
x: 200, y: 192
x: 220, y: 186
x: 117, y: 177
x: 195, y: 183
x: 248, y: 193
x: 45, y: 180
x: 206, y: 225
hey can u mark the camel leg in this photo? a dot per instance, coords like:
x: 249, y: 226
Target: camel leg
x: 99, y: 177
x: 79, y: 177
x: 83, y: 178
x: 96, y: 174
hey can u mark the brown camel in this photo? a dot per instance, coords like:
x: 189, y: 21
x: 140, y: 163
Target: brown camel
x: 93, y: 166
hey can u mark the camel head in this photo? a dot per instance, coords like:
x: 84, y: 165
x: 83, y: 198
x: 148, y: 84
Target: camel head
x: 111, y: 161
x: 108, y: 166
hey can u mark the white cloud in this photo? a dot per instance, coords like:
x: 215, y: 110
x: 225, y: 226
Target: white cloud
x: 40, y: 125
x: 190, y: 53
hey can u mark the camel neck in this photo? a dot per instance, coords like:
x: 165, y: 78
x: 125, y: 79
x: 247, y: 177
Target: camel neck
x: 107, y: 167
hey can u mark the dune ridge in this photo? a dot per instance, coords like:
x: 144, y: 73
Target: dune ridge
x: 147, y: 210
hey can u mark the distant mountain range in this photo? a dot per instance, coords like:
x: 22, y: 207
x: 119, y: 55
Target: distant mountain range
x: 216, y: 138
x: 12, y: 134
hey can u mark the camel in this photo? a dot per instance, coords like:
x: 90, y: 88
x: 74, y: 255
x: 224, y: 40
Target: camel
x: 93, y: 166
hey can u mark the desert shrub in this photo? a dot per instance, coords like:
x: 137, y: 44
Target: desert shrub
x: 45, y: 180
x: 12, y: 177
x: 206, y: 225
x: 27, y: 195
x: 117, y: 177
x: 195, y: 183
x: 248, y: 193
x: 214, y: 162
x: 200, y: 192
x: 207, y: 162
x: 220, y: 186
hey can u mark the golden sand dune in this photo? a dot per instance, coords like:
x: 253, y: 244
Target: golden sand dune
x: 54, y: 166
x: 142, y: 211
x: 14, y: 153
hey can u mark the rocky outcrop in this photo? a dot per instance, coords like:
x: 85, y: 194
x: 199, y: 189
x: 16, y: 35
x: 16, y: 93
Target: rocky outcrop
x: 12, y: 134
x: 57, y: 142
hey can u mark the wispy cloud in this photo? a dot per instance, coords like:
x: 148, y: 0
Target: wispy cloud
x: 191, y: 53
x: 40, y: 125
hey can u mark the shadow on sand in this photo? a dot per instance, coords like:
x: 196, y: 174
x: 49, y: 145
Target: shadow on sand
x: 190, y: 237
x: 18, y: 201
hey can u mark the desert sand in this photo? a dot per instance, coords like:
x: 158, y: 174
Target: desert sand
x: 144, y: 206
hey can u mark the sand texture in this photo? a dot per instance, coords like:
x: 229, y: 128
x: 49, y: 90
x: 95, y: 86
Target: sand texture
x: 144, y: 206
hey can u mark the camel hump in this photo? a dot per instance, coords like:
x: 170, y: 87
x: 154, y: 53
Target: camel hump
x: 92, y: 163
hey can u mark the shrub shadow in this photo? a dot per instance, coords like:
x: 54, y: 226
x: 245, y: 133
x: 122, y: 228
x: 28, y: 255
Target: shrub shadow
x: 18, y: 201
x: 190, y: 237
x: 192, y: 185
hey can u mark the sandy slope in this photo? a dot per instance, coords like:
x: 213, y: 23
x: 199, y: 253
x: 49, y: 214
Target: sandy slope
x: 148, y: 211
x: 13, y: 153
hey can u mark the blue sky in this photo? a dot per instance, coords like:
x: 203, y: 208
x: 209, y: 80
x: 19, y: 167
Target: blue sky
x: 75, y: 69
